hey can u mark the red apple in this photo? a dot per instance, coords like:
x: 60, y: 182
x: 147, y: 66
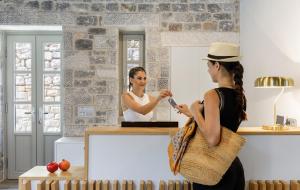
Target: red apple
x: 64, y: 165
x: 52, y: 166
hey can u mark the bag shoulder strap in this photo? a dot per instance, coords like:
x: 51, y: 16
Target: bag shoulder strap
x: 221, y: 98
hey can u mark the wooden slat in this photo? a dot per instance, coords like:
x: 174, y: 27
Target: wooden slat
x: 98, y: 185
x: 130, y: 185
x: 67, y: 185
x: 285, y: 185
x: 142, y: 185
x: 105, y: 185
x: 48, y: 184
x: 177, y: 185
x: 294, y: 185
x: 161, y: 185
x: 269, y: 185
x: 253, y: 185
x: 40, y: 185
x: 124, y: 185
x: 84, y: 185
x: 171, y: 185
x: 262, y: 185
x: 91, y: 185
x: 149, y: 185
x: 277, y: 185
x: 26, y: 185
x: 54, y: 185
x: 75, y: 185
x: 115, y: 185
x: 186, y: 185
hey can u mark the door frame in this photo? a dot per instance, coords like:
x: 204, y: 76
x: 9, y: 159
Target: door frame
x: 5, y: 131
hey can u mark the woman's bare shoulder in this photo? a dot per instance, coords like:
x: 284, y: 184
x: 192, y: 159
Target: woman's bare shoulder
x: 211, y: 94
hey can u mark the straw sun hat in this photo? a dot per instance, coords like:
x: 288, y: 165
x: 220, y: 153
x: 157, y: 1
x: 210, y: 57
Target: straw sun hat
x: 224, y: 52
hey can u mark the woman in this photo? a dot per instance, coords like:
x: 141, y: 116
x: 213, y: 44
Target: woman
x: 223, y: 106
x: 137, y: 105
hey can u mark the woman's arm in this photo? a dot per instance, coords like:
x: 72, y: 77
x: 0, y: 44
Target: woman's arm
x: 129, y: 102
x: 210, y: 126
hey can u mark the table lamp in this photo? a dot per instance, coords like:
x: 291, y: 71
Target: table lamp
x: 274, y: 82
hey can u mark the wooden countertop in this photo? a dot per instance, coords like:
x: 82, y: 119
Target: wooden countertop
x: 117, y: 130
x: 40, y: 173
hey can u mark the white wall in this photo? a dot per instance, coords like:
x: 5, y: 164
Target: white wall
x: 270, y: 45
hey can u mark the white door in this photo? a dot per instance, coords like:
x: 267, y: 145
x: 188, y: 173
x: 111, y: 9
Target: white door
x: 34, y: 103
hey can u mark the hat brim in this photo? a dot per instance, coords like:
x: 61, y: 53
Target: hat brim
x: 231, y: 59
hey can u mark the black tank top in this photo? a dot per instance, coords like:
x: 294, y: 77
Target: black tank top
x: 229, y: 116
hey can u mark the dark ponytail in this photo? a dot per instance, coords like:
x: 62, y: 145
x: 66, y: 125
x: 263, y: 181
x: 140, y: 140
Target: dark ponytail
x: 237, y: 70
x: 133, y: 72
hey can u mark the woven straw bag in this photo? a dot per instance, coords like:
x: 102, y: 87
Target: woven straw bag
x: 206, y: 165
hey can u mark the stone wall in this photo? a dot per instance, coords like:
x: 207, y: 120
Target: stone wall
x: 91, y: 45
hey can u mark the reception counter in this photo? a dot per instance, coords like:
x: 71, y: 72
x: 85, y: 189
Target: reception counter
x: 139, y: 155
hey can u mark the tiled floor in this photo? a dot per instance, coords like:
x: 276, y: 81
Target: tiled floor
x: 9, y: 185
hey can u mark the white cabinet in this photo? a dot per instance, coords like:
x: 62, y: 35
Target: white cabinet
x: 70, y: 148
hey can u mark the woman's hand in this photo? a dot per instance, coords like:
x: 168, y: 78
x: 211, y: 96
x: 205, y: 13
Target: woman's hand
x: 196, y: 107
x: 164, y: 93
x: 183, y: 108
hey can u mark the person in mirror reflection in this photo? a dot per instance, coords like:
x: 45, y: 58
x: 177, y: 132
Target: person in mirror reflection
x: 222, y: 106
x: 136, y: 104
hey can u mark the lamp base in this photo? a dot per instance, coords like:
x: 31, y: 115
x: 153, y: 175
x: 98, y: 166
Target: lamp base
x: 275, y: 127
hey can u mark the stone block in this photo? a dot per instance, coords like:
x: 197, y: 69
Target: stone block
x: 183, y: 17
x: 203, y: 17
x: 105, y: 101
x: 112, y: 7
x: 164, y: 54
x: 222, y: 16
x: 98, y: 7
x: 97, y: 60
x: 32, y: 5
x: 128, y: 7
x: 87, y: 20
x: 164, y: 72
x: 197, y: 7
x: 175, y: 27
x: 107, y: 73
x: 68, y: 78
x: 179, y: 7
x: 164, y: 7
x: 97, y: 31
x: 68, y: 114
x: 98, y: 90
x: 47, y: 5
x: 74, y: 130
x: 62, y: 6
x: 145, y: 7
x: 131, y: 19
x: 84, y: 74
x: 210, y: 26
x: 83, y: 44
x: 167, y: 17
x: 226, y: 26
x: 162, y: 83
x: 214, y: 8
x: 68, y: 41
x: 192, y: 27
x: 77, y: 96
x: 152, y: 55
x: 80, y: 7
x: 82, y: 83
x: 229, y: 7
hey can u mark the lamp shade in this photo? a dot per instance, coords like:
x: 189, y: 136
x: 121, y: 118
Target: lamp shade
x: 273, y: 82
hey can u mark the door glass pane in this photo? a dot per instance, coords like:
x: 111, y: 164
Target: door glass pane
x: 51, y: 56
x: 23, y: 56
x: 51, y: 118
x: 23, y: 87
x: 23, y: 118
x: 51, y: 87
x: 133, y: 50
